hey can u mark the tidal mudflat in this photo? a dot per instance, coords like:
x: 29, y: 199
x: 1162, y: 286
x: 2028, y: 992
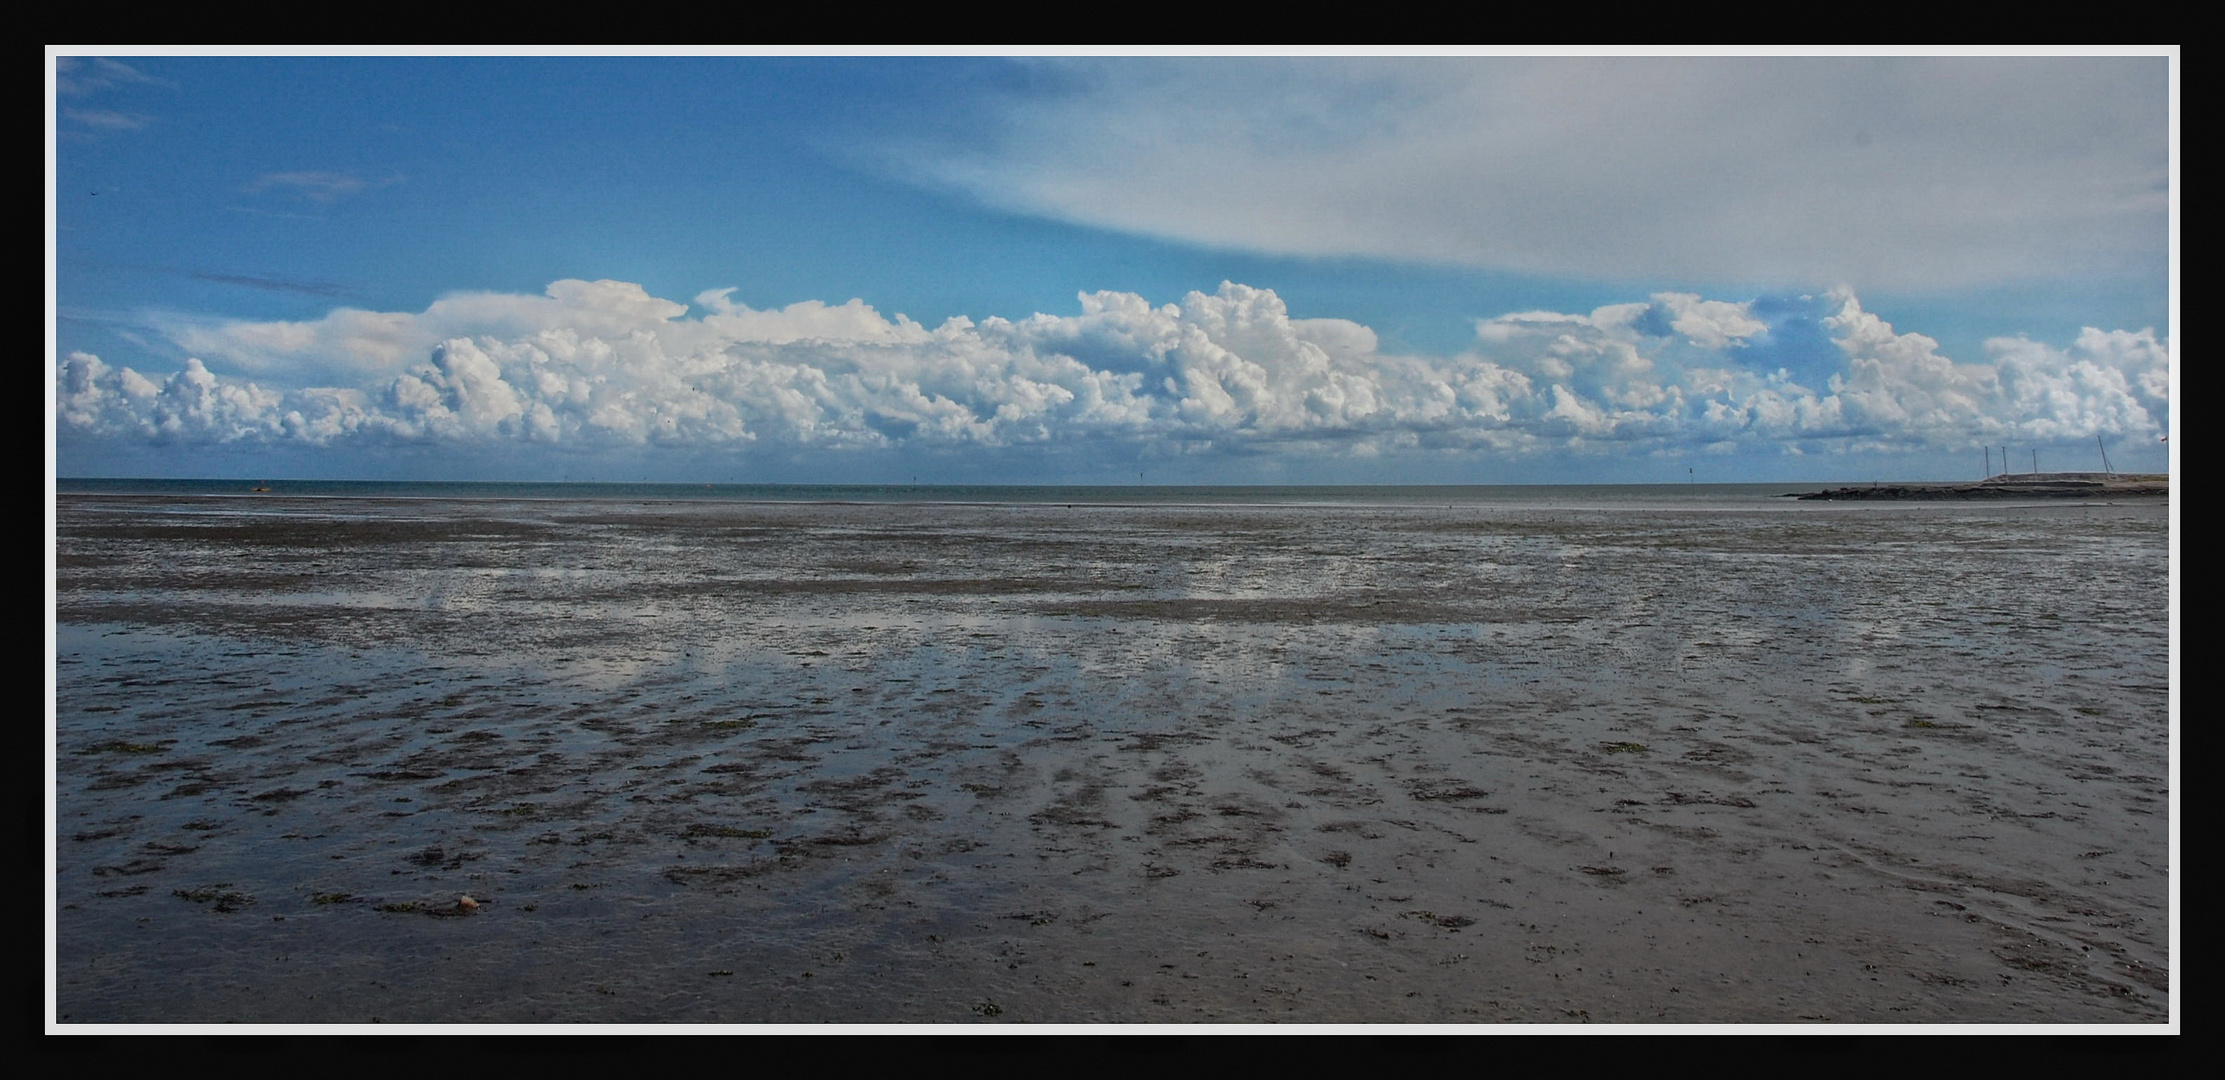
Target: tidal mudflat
x: 762, y: 762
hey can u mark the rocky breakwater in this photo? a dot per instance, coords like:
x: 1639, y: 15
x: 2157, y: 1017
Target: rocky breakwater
x: 2074, y: 485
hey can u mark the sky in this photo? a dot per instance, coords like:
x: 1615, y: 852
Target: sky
x: 1105, y: 269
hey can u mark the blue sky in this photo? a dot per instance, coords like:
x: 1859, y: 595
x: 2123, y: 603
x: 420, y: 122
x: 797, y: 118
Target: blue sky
x: 1311, y: 269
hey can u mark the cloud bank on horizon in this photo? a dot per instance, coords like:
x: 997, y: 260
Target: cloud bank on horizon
x: 1908, y: 172
x: 603, y: 365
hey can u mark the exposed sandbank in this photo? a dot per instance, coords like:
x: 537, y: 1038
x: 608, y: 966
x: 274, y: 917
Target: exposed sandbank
x: 729, y: 762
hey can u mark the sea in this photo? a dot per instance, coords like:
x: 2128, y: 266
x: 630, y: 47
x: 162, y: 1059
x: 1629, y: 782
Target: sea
x: 1589, y: 495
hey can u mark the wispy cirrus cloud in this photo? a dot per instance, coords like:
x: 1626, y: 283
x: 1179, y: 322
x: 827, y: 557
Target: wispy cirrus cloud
x: 107, y: 119
x: 322, y: 188
x: 262, y: 282
x: 1912, y: 172
x: 268, y: 283
x: 79, y: 76
x: 86, y: 77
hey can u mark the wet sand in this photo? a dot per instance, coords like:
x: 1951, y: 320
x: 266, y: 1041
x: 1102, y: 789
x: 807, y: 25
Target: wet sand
x: 723, y: 762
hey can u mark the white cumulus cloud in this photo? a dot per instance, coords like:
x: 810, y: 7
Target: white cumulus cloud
x: 605, y: 364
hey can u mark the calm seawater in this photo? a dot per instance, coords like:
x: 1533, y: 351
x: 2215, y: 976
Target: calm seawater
x: 1668, y: 496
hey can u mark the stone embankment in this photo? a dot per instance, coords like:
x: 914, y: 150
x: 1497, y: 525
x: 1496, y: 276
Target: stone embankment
x: 2073, y: 485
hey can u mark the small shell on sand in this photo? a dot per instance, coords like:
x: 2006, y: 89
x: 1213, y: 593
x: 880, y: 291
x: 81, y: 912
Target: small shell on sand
x: 465, y: 903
